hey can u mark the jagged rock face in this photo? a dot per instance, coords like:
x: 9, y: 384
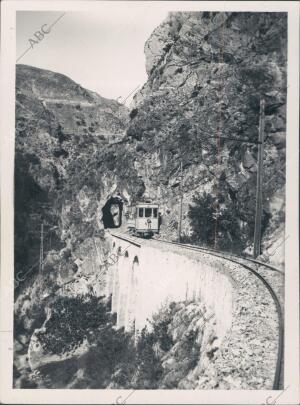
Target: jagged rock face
x: 64, y: 175
x: 60, y: 128
x: 207, y: 75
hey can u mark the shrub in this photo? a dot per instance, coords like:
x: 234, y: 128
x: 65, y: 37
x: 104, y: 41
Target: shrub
x: 160, y: 324
x: 60, y: 134
x: 140, y: 148
x: 148, y: 363
x: 72, y: 320
x: 202, y: 221
x: 133, y: 113
x: 111, y: 360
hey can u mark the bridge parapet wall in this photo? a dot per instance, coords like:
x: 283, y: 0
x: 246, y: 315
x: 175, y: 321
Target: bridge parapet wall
x: 144, y: 278
x: 245, y: 335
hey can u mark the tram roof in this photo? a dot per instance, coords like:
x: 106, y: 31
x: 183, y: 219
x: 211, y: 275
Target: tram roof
x: 148, y: 205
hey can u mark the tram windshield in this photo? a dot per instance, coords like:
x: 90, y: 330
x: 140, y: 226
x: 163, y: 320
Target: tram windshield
x: 148, y: 212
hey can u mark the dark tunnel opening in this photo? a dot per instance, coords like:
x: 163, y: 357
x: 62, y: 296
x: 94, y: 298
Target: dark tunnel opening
x: 112, y: 213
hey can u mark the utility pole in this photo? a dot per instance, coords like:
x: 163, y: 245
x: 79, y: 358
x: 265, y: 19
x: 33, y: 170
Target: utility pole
x: 258, y: 207
x: 180, y: 209
x: 42, y: 249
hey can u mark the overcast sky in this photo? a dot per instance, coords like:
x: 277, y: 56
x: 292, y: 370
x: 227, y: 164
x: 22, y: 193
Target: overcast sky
x: 102, y: 51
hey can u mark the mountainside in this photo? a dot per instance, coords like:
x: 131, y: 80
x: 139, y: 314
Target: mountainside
x: 81, y: 159
x: 200, y: 106
x: 80, y: 111
x: 65, y: 168
x: 59, y: 125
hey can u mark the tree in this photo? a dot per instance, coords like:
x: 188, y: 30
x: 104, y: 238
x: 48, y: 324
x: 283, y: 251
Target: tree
x: 202, y: 221
x: 211, y: 217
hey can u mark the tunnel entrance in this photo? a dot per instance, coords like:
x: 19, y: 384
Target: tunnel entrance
x: 112, y: 213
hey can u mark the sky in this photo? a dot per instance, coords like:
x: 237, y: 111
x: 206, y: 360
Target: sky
x: 103, y: 50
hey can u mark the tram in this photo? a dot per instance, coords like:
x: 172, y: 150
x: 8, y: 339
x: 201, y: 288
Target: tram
x: 144, y: 220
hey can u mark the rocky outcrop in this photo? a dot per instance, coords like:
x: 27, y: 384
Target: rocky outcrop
x: 62, y: 140
x: 207, y: 73
x: 60, y: 128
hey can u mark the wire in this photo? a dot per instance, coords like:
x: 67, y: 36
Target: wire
x: 130, y: 94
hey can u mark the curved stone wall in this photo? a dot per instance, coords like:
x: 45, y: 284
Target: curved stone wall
x: 144, y: 278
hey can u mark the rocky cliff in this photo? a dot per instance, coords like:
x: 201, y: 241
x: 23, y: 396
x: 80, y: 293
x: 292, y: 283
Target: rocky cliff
x: 60, y: 128
x: 71, y: 157
x: 192, y: 132
x: 207, y: 73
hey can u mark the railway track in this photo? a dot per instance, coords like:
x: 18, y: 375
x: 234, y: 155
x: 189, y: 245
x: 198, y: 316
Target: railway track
x: 244, y: 257
x: 241, y: 261
x: 248, y: 264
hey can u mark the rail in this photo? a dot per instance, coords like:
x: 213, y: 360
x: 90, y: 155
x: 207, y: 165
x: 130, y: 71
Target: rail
x: 126, y: 239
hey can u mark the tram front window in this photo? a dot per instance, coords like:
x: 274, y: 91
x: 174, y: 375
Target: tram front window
x: 155, y: 212
x: 148, y: 212
x: 141, y: 212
